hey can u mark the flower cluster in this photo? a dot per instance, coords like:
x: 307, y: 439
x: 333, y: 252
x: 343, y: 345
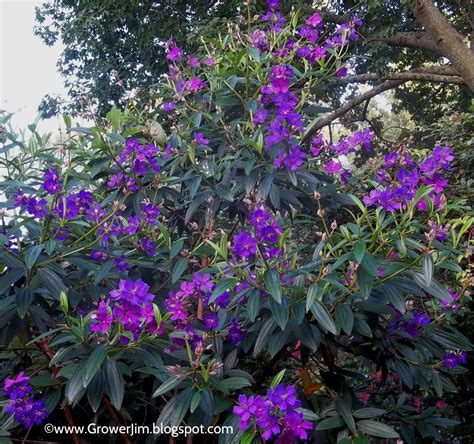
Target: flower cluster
x: 400, y: 178
x: 130, y: 306
x: 451, y: 305
x: 275, y: 415
x: 412, y: 324
x: 192, y: 301
x: 182, y: 72
x: 455, y: 358
x: 21, y: 403
x: 338, y: 152
x: 267, y: 232
x: 142, y: 159
x: 283, y: 123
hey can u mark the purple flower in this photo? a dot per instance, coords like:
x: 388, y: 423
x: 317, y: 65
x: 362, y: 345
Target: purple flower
x: 102, y: 318
x: 133, y: 225
x: 115, y: 180
x: 21, y: 404
x: 245, y: 409
x: 52, y: 184
x: 195, y: 84
x: 199, y: 139
x: 451, y: 304
x: 135, y: 292
x: 258, y: 217
x: 175, y: 54
x: 455, y: 358
x: 95, y: 213
x: 209, y: 61
x: 283, y: 397
x: 151, y: 213
x: 169, y: 106
x: 273, y: 4
x: 121, y: 264
x: 317, y: 144
x: 294, y: 159
x: 99, y: 256
x: 236, y: 333
x: 270, y: 232
x: 244, y: 244
x: 17, y: 387
x: 148, y: 246
x: 315, y: 20
x: 211, y: 321
x: 333, y: 167
x: 37, y: 207
x: 193, y: 61
x: 341, y: 72
x: 61, y: 233
x: 260, y: 116
x: 203, y: 282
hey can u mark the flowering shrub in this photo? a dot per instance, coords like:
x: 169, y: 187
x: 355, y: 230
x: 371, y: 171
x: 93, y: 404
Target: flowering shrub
x: 198, y: 260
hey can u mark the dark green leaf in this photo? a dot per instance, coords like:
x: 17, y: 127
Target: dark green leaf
x: 272, y: 282
x: 178, y: 269
x: 377, y: 429
x: 323, y: 317
x: 24, y: 298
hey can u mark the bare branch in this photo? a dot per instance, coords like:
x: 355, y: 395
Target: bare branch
x: 416, y: 40
x: 389, y: 84
x: 447, y: 39
x: 409, y: 75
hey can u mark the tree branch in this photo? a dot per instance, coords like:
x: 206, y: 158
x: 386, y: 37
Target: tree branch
x: 447, y: 39
x: 408, y: 75
x: 389, y: 84
x: 416, y: 40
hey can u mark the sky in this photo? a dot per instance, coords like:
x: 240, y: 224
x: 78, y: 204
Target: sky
x: 27, y: 66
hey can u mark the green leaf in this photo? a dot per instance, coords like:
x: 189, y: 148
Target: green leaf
x: 359, y: 251
x: 331, y: 423
x: 195, y: 401
x: 196, y: 203
x: 278, y: 378
x: 115, y: 116
x: 24, y: 298
x: 280, y: 312
x: 378, y: 429
x: 323, y: 317
x: 345, y: 317
x: 93, y: 364
x: 10, y: 278
x: 311, y: 296
x: 368, y: 412
x: 404, y: 373
x: 74, y: 387
x: 235, y: 383
x: 168, y: 385
x: 181, y: 406
x: 178, y: 269
x: 428, y: 268
x: 254, y: 53
x: 272, y: 282
x: 115, y: 384
x: 345, y: 411
x: 102, y: 272
x: 33, y: 254
x: 369, y: 263
x: 222, y: 287
x: 52, y: 282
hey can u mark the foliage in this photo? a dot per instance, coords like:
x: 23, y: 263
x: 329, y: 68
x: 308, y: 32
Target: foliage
x: 169, y: 263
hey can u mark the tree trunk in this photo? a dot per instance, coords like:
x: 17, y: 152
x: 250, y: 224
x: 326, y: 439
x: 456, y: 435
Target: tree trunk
x: 448, y: 40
